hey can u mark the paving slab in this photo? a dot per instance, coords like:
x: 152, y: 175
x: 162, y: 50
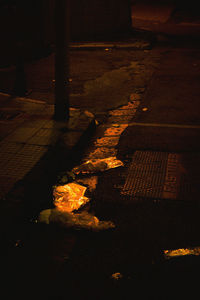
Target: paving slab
x: 163, y: 138
x: 29, y: 150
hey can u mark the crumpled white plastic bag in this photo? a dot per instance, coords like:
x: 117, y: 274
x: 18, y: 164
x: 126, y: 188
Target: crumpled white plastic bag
x: 69, y: 197
x: 97, y: 165
x: 82, y: 220
x: 195, y: 251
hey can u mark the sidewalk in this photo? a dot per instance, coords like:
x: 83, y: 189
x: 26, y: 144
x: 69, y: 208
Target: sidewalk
x: 33, y: 147
x: 167, y: 20
x: 168, y: 123
x: 153, y: 200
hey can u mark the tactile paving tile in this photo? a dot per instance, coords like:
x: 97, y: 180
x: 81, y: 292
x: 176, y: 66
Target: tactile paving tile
x: 6, y: 184
x: 21, y: 135
x: 7, y: 152
x: 5, y: 158
x: 146, y: 175
x: 20, y: 164
x: 10, y: 147
x: 44, y: 136
x: 33, y: 151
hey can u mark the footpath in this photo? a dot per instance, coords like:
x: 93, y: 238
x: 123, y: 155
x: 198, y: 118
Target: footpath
x: 161, y: 184
x: 33, y: 148
x: 153, y: 200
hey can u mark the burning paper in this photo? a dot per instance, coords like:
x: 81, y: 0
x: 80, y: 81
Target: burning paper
x: 98, y: 165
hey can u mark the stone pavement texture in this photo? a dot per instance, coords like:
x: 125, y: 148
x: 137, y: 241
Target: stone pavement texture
x: 33, y: 147
x: 168, y: 124
x: 141, y: 130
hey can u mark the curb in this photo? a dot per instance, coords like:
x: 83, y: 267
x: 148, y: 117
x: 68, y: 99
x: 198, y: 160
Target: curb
x: 134, y: 45
x: 33, y: 190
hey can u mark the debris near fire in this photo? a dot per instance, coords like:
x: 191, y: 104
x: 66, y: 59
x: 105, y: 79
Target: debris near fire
x: 97, y: 165
x: 65, y: 177
x: 90, y: 181
x: 67, y: 199
x: 82, y: 220
x: 195, y: 251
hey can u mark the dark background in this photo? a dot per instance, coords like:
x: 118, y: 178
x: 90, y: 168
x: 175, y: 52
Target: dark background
x: 31, y: 22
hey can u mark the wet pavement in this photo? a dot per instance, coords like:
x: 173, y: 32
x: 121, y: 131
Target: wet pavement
x: 94, y: 74
x: 153, y: 199
x: 130, y: 259
x: 120, y: 261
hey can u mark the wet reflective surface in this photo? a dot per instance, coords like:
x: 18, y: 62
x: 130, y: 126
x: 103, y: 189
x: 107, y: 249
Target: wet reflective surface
x: 69, y: 197
x: 181, y: 252
x: 96, y: 242
x: 98, y: 165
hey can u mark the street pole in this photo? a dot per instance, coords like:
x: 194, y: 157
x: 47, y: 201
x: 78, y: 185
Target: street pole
x: 61, y: 108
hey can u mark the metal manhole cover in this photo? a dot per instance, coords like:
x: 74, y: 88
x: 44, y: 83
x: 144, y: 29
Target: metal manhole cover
x: 153, y: 175
x: 8, y: 115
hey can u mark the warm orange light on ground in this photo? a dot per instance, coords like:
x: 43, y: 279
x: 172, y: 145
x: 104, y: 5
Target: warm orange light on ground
x: 182, y: 252
x: 98, y: 165
x: 69, y: 197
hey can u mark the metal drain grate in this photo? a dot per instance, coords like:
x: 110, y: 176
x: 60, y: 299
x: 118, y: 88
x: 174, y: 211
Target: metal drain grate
x: 146, y: 175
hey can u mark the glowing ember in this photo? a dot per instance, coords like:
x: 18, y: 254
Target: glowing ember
x: 182, y: 252
x: 69, y: 197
